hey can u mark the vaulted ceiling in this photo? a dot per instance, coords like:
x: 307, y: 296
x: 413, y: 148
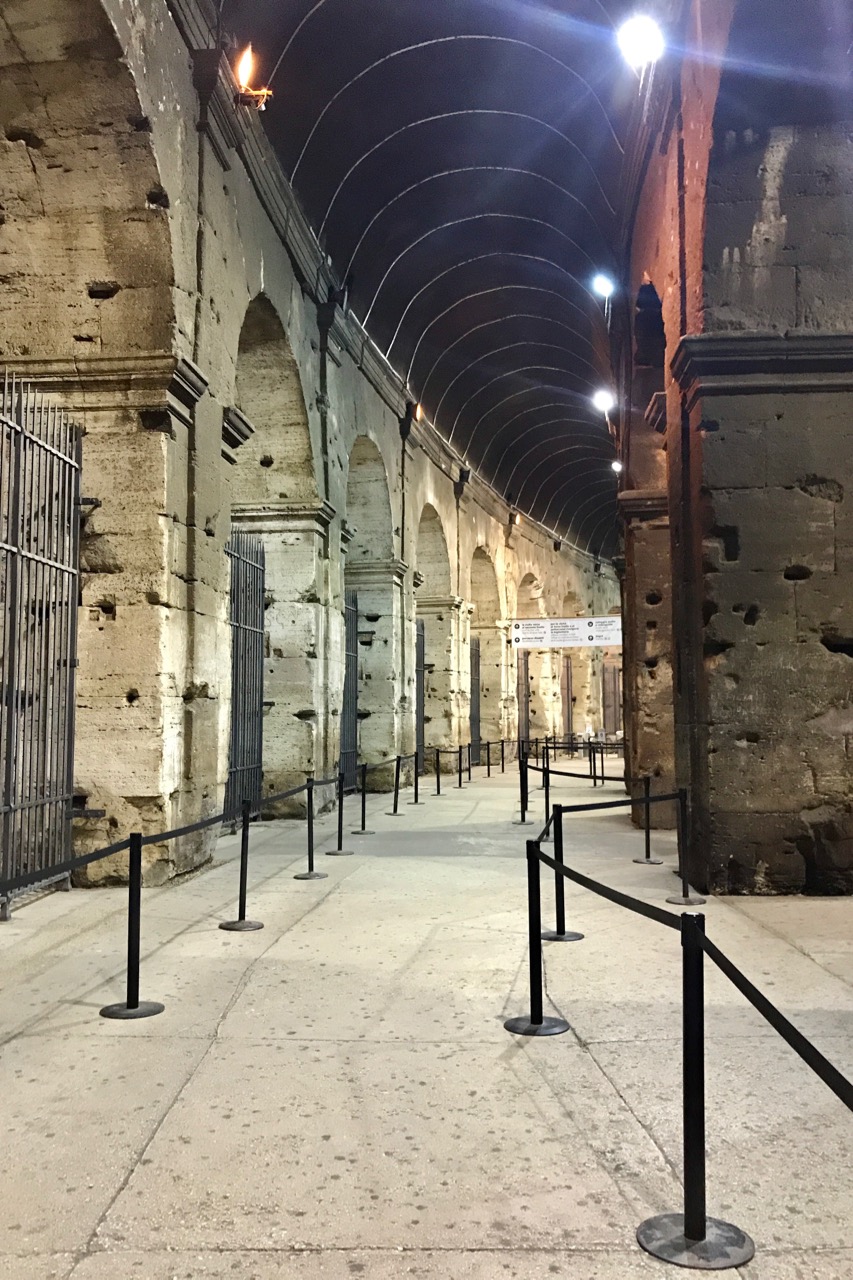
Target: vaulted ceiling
x: 460, y: 160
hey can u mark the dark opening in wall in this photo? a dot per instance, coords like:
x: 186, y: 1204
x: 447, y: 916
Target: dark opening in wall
x: 730, y: 538
x: 653, y: 598
x: 797, y: 573
x: 837, y: 645
x: 649, y: 334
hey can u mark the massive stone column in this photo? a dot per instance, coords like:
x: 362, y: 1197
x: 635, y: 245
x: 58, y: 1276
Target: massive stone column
x: 381, y: 616
x: 445, y: 634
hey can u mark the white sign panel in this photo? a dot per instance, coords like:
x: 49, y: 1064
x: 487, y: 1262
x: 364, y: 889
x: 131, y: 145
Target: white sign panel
x: 567, y: 633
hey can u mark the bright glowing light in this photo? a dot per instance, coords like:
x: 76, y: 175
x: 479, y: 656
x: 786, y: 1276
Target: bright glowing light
x: 641, y: 41
x: 419, y: 412
x: 603, y: 401
x: 245, y: 68
x: 603, y: 286
x: 617, y: 466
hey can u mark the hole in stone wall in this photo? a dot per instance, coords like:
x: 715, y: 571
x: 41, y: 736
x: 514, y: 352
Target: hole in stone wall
x: 820, y: 487
x: 651, y: 626
x: 708, y: 425
x: 838, y: 645
x: 650, y: 663
x: 132, y: 696
x: 108, y: 607
x: 752, y: 615
x: 730, y: 538
x: 157, y: 198
x: 797, y: 573
x: 653, y: 598
x: 714, y: 648
x: 103, y: 289
x: 139, y: 124
x: 30, y: 139
x: 709, y: 608
x: 266, y: 461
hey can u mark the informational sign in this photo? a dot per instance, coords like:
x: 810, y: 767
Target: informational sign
x: 567, y: 633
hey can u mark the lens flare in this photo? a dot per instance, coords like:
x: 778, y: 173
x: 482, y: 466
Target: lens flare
x: 641, y: 41
x: 603, y: 401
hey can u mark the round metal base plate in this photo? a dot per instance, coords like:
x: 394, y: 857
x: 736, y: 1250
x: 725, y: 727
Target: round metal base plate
x: 145, y: 1009
x: 417, y: 803
x: 524, y: 824
x: 311, y: 875
x: 363, y: 833
x: 649, y: 862
x: 395, y: 815
x: 339, y: 853
x: 724, y: 1245
x: 547, y: 1027
x: 687, y: 902
x: 241, y: 926
x: 549, y: 935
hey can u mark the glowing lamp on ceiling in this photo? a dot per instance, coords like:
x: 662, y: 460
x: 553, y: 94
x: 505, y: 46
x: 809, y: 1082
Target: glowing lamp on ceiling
x: 246, y: 96
x: 641, y: 41
x: 603, y: 401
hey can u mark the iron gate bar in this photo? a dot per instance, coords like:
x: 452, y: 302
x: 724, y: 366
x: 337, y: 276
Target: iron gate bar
x: 40, y: 462
x: 245, y: 758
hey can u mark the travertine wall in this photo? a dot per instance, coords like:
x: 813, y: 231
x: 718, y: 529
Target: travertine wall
x: 149, y: 285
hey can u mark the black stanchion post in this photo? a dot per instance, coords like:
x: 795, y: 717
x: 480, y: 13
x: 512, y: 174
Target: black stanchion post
x: 685, y: 898
x: 241, y: 924
x: 398, y: 765
x: 460, y: 766
x: 437, y: 771
x: 488, y: 759
x: 503, y: 756
x: 310, y: 874
x: 691, y: 1238
x: 523, y: 789
x: 537, y: 1024
x: 132, y: 1007
x: 362, y: 831
x: 469, y: 761
x: 417, y: 800
x: 648, y: 860
x: 560, y: 934
x: 546, y: 783
x: 340, y: 851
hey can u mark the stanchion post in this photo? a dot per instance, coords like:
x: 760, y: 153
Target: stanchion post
x: 648, y: 860
x: 559, y: 934
x: 537, y: 1024
x: 438, y: 771
x: 340, y: 851
x: 546, y: 783
x: 469, y: 761
x: 488, y: 759
x: 503, y: 756
x: 132, y: 1007
x: 416, y: 778
x: 460, y: 766
x: 241, y: 924
x: 310, y: 874
x: 363, y: 797
x: 523, y: 789
x: 692, y: 1239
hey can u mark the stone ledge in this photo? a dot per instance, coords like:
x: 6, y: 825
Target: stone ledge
x: 711, y: 364
x: 642, y: 504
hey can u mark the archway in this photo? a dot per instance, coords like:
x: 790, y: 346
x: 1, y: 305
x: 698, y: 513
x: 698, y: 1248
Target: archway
x: 486, y: 628
x: 87, y: 312
x: 537, y: 691
x: 374, y: 583
x: 439, y: 613
x: 275, y: 498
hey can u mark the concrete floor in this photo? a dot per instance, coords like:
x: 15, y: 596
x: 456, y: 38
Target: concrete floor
x: 336, y: 1097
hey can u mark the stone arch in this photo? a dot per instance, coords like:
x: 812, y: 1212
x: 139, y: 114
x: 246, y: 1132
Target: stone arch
x: 376, y: 575
x: 486, y: 620
x: 87, y: 310
x: 276, y: 464
x: 439, y: 610
x: 274, y: 495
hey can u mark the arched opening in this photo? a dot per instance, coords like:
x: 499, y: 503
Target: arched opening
x: 536, y: 691
x: 575, y: 681
x: 487, y: 631
x: 275, y: 501
x: 372, y: 678
x: 438, y: 618
x: 87, y: 313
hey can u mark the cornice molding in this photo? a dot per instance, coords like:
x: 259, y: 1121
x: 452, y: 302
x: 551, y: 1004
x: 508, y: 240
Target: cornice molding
x: 284, y: 517
x: 377, y: 573
x: 734, y: 364
x: 236, y: 430
x: 642, y: 504
x: 655, y: 414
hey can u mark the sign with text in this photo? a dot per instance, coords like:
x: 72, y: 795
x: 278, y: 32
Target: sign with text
x: 567, y: 633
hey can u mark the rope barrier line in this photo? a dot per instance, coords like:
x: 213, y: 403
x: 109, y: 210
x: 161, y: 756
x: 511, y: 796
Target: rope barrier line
x: 657, y: 914
x: 28, y: 878
x: 821, y: 1066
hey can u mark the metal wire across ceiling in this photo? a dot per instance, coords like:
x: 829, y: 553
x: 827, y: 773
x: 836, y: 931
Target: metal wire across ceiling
x: 460, y: 161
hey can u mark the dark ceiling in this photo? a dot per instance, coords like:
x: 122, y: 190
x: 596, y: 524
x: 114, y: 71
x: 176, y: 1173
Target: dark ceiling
x: 460, y: 160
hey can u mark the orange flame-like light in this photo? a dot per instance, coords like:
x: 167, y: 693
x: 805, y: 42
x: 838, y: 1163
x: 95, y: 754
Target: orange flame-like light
x: 245, y: 68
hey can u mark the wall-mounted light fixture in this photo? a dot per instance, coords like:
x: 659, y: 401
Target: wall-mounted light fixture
x: 617, y: 466
x: 558, y: 546
x: 459, y: 485
x: 603, y: 400
x: 246, y: 96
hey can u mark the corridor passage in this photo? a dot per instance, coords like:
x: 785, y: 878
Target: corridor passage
x: 335, y: 1096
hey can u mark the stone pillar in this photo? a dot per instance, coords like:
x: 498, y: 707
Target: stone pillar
x: 493, y: 648
x: 381, y: 693
x: 647, y: 646
x: 296, y: 679
x: 445, y: 628
x: 764, y: 711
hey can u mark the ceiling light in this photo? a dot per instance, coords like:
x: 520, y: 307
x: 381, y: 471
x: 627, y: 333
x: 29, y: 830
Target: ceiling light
x: 641, y: 41
x: 603, y: 286
x: 603, y: 401
x: 617, y: 466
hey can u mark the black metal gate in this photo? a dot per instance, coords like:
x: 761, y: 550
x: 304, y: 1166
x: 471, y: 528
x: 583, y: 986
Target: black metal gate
x: 39, y: 577
x: 612, y: 678
x: 349, y: 715
x: 475, y: 699
x: 568, y: 705
x: 420, y: 694
x: 523, y: 694
x: 245, y: 756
